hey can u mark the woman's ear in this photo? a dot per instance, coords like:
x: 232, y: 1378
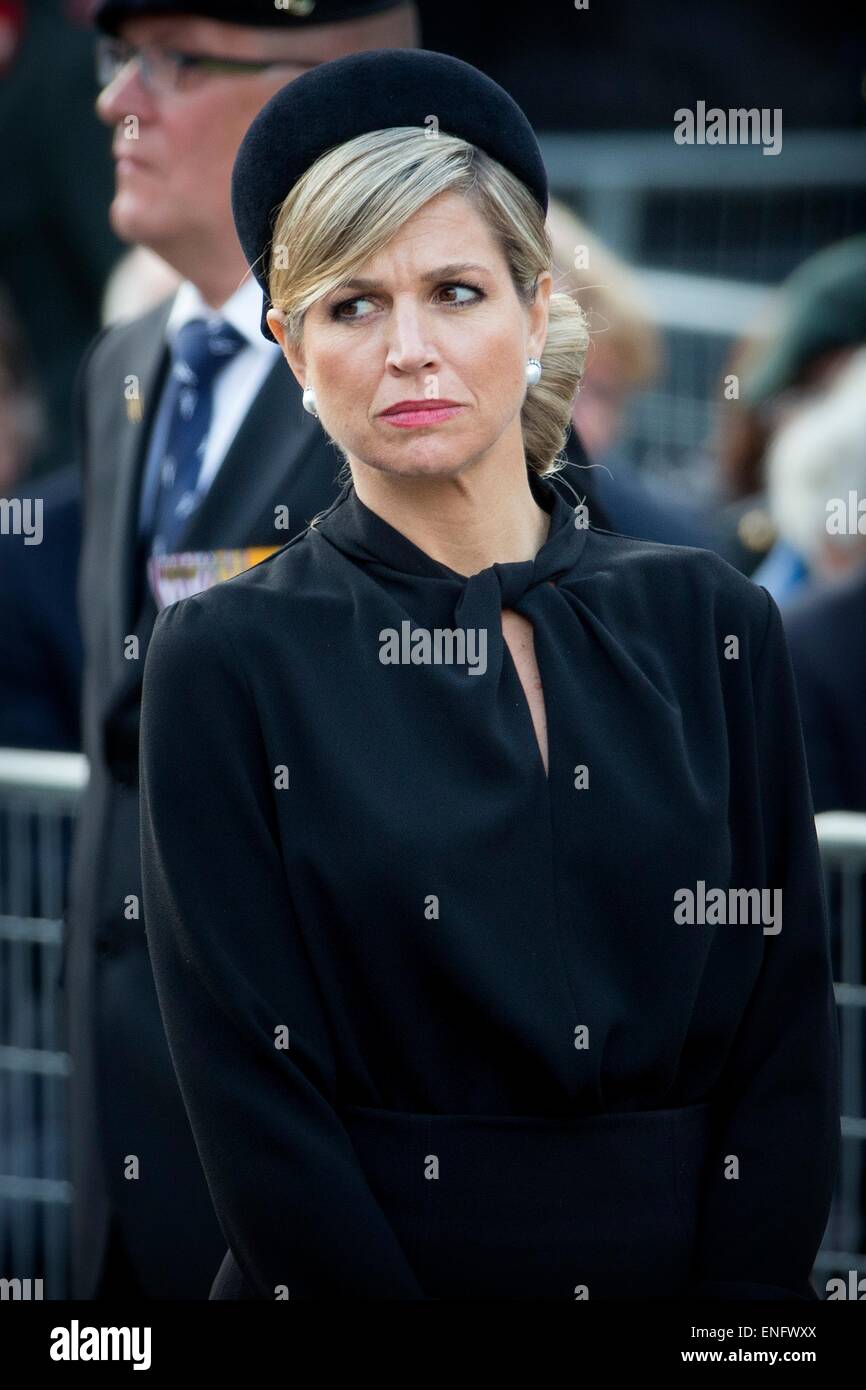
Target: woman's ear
x: 538, y: 313
x: 276, y: 323
x: 294, y: 356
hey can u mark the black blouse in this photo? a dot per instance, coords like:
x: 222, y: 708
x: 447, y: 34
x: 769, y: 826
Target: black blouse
x: 369, y: 907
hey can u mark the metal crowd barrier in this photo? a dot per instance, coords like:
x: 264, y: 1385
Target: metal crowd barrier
x: 39, y: 795
x: 615, y: 174
x: 842, y: 837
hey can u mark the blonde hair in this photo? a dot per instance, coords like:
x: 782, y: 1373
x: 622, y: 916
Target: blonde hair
x: 349, y: 204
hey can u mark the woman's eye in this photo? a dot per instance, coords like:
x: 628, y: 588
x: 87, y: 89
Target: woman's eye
x: 337, y: 310
x: 474, y: 291
x: 471, y: 289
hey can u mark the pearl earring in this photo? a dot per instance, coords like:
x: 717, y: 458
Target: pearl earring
x: 310, y: 401
x: 533, y: 371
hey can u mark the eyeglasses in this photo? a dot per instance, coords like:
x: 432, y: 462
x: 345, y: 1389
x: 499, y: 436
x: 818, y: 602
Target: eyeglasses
x: 165, y: 70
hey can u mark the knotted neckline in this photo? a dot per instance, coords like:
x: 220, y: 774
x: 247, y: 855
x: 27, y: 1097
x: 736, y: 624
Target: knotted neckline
x: 363, y: 535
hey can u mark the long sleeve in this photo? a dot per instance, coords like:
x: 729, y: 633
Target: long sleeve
x: 231, y: 971
x: 760, y: 1231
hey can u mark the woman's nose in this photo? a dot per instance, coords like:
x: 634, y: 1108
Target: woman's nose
x: 410, y: 342
x: 409, y: 346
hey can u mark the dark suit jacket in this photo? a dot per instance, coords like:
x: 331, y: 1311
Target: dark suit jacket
x: 826, y: 631
x: 124, y: 1095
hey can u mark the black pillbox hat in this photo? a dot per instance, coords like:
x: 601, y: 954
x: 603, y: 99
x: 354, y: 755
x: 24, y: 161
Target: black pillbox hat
x: 372, y: 90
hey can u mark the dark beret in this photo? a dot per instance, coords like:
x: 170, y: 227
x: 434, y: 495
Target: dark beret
x: 295, y: 14
x: 823, y: 307
x: 373, y: 90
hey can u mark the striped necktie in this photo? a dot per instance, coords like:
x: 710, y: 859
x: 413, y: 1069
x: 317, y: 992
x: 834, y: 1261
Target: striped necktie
x: 200, y: 350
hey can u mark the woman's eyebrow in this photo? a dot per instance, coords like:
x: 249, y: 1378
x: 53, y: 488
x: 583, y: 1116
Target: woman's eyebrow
x: 442, y: 272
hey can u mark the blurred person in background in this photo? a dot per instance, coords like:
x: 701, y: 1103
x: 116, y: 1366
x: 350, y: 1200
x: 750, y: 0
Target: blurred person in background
x: 626, y: 348
x: 822, y: 513
x: 192, y: 438
x: 817, y: 321
x: 815, y: 463
x: 41, y: 656
x: 11, y: 24
x: 56, y: 246
x: 22, y: 409
x: 40, y: 646
x: 826, y: 624
x: 624, y: 357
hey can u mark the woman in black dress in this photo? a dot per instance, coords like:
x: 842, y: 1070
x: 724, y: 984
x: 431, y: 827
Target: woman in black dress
x: 480, y: 873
